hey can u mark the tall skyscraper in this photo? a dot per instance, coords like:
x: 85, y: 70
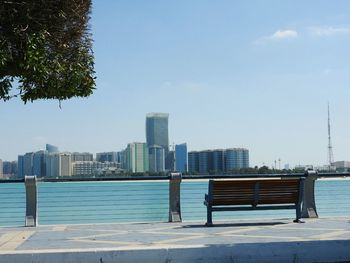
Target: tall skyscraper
x: 51, y: 148
x: 181, y: 157
x: 157, y: 130
x: 137, y: 157
x: 157, y: 133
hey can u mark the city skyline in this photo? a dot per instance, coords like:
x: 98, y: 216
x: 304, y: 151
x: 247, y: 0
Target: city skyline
x: 251, y: 74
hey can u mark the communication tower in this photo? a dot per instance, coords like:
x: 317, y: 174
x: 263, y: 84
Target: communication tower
x: 330, y: 148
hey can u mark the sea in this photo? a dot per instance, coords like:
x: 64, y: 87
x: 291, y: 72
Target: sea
x: 144, y: 201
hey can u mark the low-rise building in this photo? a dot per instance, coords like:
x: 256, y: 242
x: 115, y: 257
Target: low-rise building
x: 341, y: 166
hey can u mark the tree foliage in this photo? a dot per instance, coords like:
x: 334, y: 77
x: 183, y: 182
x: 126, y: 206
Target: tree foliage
x: 45, y: 48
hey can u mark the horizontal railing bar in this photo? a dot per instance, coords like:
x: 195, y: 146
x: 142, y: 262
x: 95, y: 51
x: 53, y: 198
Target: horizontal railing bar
x: 108, y: 191
x: 111, y: 220
x: 116, y: 185
x: 167, y: 177
x: 10, y: 181
x: 13, y: 202
x: 14, y: 213
x: 105, y: 204
x: 104, y: 214
x: 12, y: 194
x: 85, y: 208
x: 7, y: 218
x: 101, y: 179
x: 13, y: 191
x: 17, y: 207
x: 71, y: 194
x: 94, y: 200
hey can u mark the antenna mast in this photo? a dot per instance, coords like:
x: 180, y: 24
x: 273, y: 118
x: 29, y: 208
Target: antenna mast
x: 330, y: 148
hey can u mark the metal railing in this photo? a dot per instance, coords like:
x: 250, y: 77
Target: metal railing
x: 139, y: 199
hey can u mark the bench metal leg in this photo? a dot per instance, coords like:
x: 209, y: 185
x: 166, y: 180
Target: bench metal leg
x: 298, y: 214
x: 298, y: 205
x: 209, y: 217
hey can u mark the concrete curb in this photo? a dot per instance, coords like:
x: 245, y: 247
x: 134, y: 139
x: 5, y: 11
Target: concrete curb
x: 294, y: 252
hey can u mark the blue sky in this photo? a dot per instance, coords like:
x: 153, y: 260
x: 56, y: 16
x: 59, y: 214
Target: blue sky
x: 254, y: 74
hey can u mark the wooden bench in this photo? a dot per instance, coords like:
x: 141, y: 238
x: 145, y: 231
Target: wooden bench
x: 254, y: 194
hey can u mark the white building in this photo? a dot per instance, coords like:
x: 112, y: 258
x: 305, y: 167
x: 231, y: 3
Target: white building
x: 342, y: 166
x: 137, y: 158
x: 91, y: 167
x: 59, y: 164
x: 77, y: 157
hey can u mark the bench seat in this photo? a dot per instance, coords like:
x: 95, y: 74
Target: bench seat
x: 254, y: 194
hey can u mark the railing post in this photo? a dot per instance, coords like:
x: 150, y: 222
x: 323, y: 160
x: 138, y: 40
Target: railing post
x: 31, y: 219
x: 309, y: 204
x: 174, y: 197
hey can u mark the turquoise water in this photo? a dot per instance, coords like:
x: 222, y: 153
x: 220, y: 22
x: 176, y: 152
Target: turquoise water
x: 107, y: 202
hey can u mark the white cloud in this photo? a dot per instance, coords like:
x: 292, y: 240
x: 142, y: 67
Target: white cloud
x: 283, y: 34
x: 328, y: 31
x: 279, y: 35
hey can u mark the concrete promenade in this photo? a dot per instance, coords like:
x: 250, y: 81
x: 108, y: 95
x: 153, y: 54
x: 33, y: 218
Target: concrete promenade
x: 279, y: 240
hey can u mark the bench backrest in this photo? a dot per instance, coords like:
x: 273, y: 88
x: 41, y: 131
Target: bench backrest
x: 254, y: 192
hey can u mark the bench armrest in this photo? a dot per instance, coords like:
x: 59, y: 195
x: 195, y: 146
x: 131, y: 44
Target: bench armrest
x: 206, y: 200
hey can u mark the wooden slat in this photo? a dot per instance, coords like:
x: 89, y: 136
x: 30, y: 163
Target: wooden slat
x: 241, y: 192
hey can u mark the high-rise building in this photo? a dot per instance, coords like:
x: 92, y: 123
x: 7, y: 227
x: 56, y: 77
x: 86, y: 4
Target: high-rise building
x: 14, y: 167
x: 137, y: 157
x: 6, y: 168
x: 193, y: 162
x: 51, y: 148
x: 205, y: 159
x: 120, y: 157
x: 170, y: 159
x: 39, y: 163
x: 181, y: 157
x: 107, y: 157
x: 157, y: 133
x: 65, y: 164
x: 9, y: 169
x: 52, y: 165
x: 20, y: 168
x: 156, y: 159
x: 218, y: 161
x: 28, y: 163
x: 1, y: 170
x: 236, y: 158
x: 59, y: 164
x: 82, y: 157
x: 123, y: 160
